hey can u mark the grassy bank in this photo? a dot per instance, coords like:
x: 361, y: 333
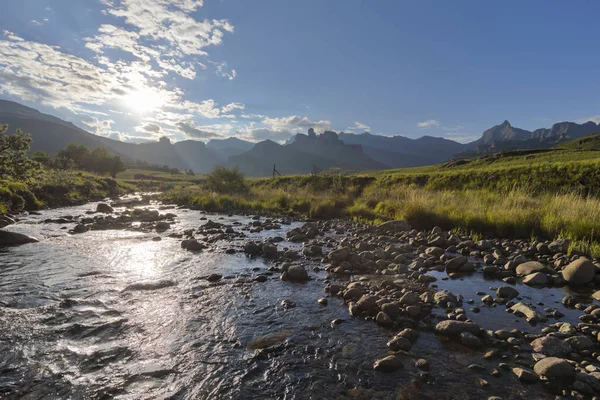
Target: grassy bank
x: 548, y: 194
x: 55, y: 188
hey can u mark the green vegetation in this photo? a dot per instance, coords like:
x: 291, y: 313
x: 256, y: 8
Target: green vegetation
x: 97, y: 160
x: 546, y: 193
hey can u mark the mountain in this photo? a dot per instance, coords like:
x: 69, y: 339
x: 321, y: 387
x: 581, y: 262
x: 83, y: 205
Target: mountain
x: 339, y: 154
x: 231, y: 146
x: 400, y: 151
x: 302, y: 155
x: 505, y: 137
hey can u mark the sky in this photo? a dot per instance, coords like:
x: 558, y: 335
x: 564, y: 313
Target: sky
x: 136, y: 70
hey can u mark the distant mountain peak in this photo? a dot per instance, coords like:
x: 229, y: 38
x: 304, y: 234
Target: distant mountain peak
x: 506, y: 123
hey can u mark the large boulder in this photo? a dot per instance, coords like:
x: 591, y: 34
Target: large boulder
x: 454, y: 329
x: 554, y: 369
x: 530, y: 267
x: 14, y: 239
x: 5, y: 221
x: 456, y: 263
x: 579, y: 272
x: 536, y: 279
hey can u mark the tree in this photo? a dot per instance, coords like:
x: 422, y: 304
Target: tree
x: 116, y: 166
x: 223, y: 180
x: 78, y: 153
x: 14, y: 162
x: 41, y: 157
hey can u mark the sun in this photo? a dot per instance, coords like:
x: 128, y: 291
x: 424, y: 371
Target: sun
x: 144, y: 100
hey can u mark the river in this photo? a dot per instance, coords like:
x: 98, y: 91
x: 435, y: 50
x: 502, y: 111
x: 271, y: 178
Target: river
x: 116, y: 314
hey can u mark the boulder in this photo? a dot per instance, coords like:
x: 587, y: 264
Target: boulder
x: 399, y: 343
x: 525, y: 375
x: 454, y: 329
x: 456, y: 263
x: 580, y: 272
x: 342, y: 254
x: 251, y: 249
x: 388, y: 364
x: 530, y: 267
x: 507, y: 292
x: 104, y: 208
x: 269, y: 250
x: 383, y: 319
x: 554, y: 369
x: 14, y: 239
x: 536, y: 279
x: 551, y: 346
x: 528, y: 312
x: 470, y: 340
x: 297, y: 273
x: 367, y: 303
x: 193, y: 245
x: 162, y: 226
x: 409, y: 299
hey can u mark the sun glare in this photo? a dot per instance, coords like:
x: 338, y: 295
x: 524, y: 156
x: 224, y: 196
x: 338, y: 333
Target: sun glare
x: 144, y: 100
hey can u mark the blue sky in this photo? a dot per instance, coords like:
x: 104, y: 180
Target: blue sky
x: 265, y: 69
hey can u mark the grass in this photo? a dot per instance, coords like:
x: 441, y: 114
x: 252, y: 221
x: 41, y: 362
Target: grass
x: 550, y: 193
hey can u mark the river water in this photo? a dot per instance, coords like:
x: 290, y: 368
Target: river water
x: 76, y: 324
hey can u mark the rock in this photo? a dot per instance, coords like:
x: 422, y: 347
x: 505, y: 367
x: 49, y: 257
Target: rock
x: 288, y: 304
x: 5, y: 221
x: 583, y: 387
x: 528, y: 311
x: 536, y: 279
x: 353, y: 293
x: 388, y: 364
x: 579, y: 272
x: 251, y: 249
x: 580, y: 342
x: 409, y: 299
x: 383, y: 319
x: 368, y: 304
x: 342, y: 254
x: 14, y: 239
x: 394, y: 226
x: 456, y: 263
x: 453, y: 329
x: 525, y: 375
x: 560, y: 246
x: 214, y: 277
x: 194, y: 245
x: 551, y: 346
x: 399, y: 343
x: 269, y: 250
x: 80, y: 228
x: 530, y: 267
x: 596, y: 295
x: 297, y: 273
x: 322, y: 301
x: 104, y: 208
x: 162, y: 226
x: 507, y: 292
x: 554, y: 369
x: 391, y: 309
x: 422, y: 364
x: 470, y: 340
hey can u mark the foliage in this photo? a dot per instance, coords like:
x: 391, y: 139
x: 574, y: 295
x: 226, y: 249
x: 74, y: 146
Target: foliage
x: 223, y: 180
x: 14, y: 162
x: 97, y: 160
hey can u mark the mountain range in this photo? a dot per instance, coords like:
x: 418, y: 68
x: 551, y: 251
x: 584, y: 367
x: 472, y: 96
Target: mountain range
x: 302, y: 153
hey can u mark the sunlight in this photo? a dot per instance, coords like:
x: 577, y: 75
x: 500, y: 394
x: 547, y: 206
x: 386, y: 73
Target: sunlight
x: 144, y: 100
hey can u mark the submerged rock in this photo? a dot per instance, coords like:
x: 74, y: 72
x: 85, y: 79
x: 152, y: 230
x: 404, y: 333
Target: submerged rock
x: 14, y: 239
x: 150, y: 285
x: 388, y: 364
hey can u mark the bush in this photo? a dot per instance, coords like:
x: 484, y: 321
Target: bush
x: 226, y: 181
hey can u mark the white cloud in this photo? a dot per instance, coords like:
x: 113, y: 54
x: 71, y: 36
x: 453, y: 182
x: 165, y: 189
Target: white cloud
x: 294, y: 122
x: 232, y: 106
x: 150, y: 128
x: 197, y: 132
x: 358, y: 127
x: 428, y: 124
x: 595, y: 119
x: 225, y: 72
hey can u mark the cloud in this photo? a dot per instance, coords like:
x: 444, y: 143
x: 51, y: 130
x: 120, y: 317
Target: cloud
x: 225, y: 72
x: 260, y: 134
x: 200, y: 132
x: 595, y: 119
x: 428, y: 124
x: 150, y: 127
x: 232, y: 106
x: 358, y: 126
x: 294, y: 121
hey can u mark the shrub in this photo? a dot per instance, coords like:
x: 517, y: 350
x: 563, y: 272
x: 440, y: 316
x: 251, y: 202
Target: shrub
x: 226, y: 181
